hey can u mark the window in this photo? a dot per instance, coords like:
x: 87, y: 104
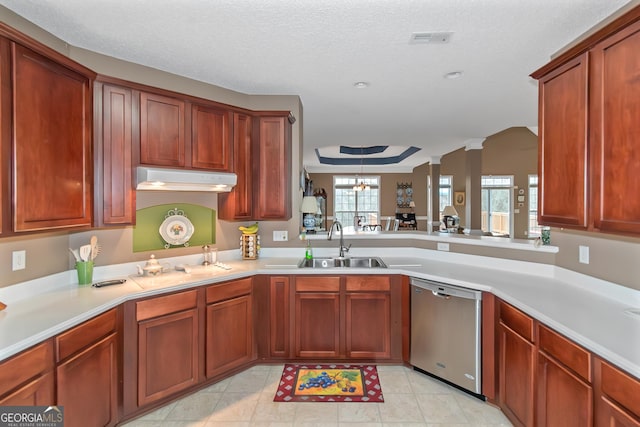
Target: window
x: 446, y: 192
x: 496, y: 204
x: 349, y: 203
x: 534, y: 227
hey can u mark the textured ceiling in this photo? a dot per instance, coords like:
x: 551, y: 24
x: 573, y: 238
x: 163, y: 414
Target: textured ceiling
x: 318, y: 49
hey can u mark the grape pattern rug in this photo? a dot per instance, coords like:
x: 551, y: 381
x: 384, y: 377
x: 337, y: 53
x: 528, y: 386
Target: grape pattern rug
x: 329, y: 383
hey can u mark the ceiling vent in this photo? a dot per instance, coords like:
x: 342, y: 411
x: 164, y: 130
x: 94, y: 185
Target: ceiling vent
x: 430, y: 38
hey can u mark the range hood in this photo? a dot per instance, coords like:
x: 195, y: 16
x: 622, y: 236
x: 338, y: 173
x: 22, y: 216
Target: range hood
x: 165, y: 179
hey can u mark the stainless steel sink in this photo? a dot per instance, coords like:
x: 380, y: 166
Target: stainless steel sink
x: 351, y: 262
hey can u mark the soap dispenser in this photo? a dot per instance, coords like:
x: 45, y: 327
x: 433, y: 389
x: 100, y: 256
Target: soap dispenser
x: 308, y: 253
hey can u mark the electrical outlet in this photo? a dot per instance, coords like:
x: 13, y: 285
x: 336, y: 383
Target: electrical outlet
x: 19, y: 260
x: 280, y: 236
x: 443, y: 246
x: 583, y: 254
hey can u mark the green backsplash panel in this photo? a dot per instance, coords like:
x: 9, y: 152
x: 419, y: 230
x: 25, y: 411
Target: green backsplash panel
x: 146, y: 233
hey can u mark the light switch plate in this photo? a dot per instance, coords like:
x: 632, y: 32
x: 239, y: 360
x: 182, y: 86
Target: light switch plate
x: 443, y: 246
x: 19, y: 260
x: 280, y: 236
x: 583, y: 254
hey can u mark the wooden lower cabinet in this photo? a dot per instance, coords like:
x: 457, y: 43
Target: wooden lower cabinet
x: 87, y: 385
x: 609, y: 414
x: 317, y: 317
x: 564, y: 391
x: 38, y: 392
x: 167, y: 345
x: 616, y: 402
x: 368, y: 317
x: 229, y: 326
x: 279, y: 315
x: 87, y: 372
x: 27, y: 378
x: 348, y: 317
x: 564, y: 399
x: 516, y: 366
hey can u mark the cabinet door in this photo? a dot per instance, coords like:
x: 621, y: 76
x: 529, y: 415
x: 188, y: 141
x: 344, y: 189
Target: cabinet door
x: 52, y: 144
x: 39, y: 392
x: 564, y: 399
x: 615, y: 108
x: 317, y: 325
x: 368, y: 320
x: 114, y: 124
x: 162, y: 140
x: 167, y: 355
x: 229, y: 335
x: 87, y: 385
x: 28, y: 377
x: 210, y: 138
x: 611, y: 415
x: 236, y: 204
x: 273, y: 201
x: 562, y: 150
x: 516, y: 376
x: 617, y: 403
x: 279, y: 316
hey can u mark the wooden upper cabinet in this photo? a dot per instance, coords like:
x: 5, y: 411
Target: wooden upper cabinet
x: 210, y: 138
x: 162, y: 136
x: 562, y: 149
x: 236, y: 205
x: 53, y: 167
x: 615, y: 132
x: 273, y: 150
x: 114, y: 139
x: 5, y: 136
x: 588, y: 131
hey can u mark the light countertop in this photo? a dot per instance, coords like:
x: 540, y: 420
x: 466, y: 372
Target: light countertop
x: 601, y: 316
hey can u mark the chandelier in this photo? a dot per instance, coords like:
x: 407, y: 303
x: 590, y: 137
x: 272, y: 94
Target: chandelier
x: 361, y: 186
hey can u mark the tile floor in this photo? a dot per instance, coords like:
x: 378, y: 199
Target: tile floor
x: 246, y: 399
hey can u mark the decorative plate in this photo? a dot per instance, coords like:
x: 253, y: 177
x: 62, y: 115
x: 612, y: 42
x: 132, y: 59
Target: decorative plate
x: 176, y: 230
x: 409, y: 191
x: 399, y: 191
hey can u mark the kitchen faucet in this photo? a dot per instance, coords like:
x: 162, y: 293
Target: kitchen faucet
x: 338, y: 226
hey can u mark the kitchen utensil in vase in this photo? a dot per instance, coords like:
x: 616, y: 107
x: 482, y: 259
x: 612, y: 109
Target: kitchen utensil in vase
x: 85, y: 252
x: 95, y: 247
x: 76, y: 254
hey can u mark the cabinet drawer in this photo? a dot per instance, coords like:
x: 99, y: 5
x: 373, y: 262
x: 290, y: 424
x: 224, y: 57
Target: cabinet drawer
x: 26, y: 365
x: 159, y: 306
x: 516, y: 321
x: 228, y: 290
x: 317, y: 284
x: 81, y: 336
x: 368, y: 283
x: 621, y: 387
x: 565, y: 351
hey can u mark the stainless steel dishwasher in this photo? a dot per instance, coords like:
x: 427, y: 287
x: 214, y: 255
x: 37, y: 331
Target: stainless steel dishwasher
x: 445, y: 333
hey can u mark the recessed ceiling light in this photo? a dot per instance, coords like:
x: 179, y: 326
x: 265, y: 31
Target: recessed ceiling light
x: 360, y: 85
x: 434, y: 37
x: 453, y: 75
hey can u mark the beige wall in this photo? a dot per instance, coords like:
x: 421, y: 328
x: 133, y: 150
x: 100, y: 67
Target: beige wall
x: 513, y: 151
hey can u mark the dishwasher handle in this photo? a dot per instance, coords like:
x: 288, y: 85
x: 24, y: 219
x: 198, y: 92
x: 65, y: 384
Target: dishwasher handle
x: 439, y: 295
x: 436, y: 293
